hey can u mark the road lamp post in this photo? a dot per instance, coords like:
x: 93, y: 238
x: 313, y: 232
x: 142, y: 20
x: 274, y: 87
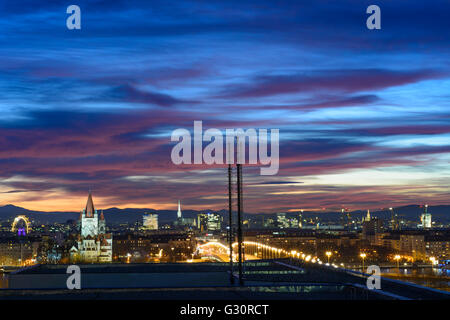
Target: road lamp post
x: 363, y: 256
x: 328, y: 254
x: 433, y: 261
x: 397, y: 258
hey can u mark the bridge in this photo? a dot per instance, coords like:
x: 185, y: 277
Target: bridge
x: 218, y: 251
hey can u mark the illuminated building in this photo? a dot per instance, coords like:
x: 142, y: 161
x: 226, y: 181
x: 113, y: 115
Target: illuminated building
x: 414, y: 245
x: 214, y: 222
x: 150, y: 222
x: 202, y: 222
x: 282, y: 221
x: 14, y: 252
x: 425, y: 218
x: 293, y: 223
x: 142, y: 248
x: 269, y: 223
x: 367, y: 218
x: 209, y: 222
x: 94, y: 244
x: 371, y: 228
x: 179, y: 210
x: 395, y: 225
x: 181, y: 222
x: 438, y: 246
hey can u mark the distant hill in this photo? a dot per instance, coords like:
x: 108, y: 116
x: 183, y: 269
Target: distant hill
x: 131, y: 215
x: 10, y: 211
x: 112, y: 215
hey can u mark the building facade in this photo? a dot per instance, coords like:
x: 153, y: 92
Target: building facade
x: 94, y: 244
x: 150, y: 221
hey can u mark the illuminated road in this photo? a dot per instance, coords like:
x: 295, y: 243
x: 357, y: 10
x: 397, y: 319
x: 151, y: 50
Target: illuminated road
x: 226, y: 257
x: 252, y: 251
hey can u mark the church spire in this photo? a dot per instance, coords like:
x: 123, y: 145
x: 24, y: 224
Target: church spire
x: 179, y: 210
x: 89, y: 211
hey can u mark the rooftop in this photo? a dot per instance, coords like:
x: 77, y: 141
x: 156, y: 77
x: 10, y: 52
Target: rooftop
x: 265, y: 279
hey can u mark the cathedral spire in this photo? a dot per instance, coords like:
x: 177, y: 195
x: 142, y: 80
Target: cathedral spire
x: 179, y: 210
x: 89, y: 211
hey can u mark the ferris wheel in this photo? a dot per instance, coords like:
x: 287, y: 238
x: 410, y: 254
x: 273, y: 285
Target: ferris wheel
x: 16, y: 223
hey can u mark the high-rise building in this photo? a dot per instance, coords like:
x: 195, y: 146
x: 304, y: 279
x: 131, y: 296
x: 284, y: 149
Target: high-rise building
x: 414, y: 245
x: 367, y: 218
x: 394, y: 223
x: 150, y: 221
x: 269, y: 223
x: 214, y: 222
x: 425, y: 218
x: 372, y: 226
x: 293, y: 222
x: 202, y: 222
x: 209, y: 221
x: 282, y: 221
x: 94, y: 244
x: 346, y: 220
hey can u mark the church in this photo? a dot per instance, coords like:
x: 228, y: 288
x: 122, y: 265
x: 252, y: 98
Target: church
x: 93, y: 243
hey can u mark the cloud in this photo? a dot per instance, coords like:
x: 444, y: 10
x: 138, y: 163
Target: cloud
x: 345, y: 81
x: 131, y: 94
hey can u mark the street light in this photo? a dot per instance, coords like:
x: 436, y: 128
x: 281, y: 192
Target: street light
x: 433, y: 261
x: 328, y: 254
x: 363, y: 256
x: 397, y: 257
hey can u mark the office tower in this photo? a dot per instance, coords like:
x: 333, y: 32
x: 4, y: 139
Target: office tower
x: 213, y: 222
x: 150, y: 221
x: 282, y: 221
x: 425, y: 218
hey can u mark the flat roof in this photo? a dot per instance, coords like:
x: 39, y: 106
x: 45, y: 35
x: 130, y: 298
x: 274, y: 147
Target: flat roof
x: 151, y: 267
x: 291, y: 277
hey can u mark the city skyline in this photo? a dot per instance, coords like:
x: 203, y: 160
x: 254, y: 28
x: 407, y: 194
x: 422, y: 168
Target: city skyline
x: 364, y: 116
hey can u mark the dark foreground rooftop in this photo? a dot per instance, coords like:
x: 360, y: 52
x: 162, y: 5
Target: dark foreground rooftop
x: 264, y: 279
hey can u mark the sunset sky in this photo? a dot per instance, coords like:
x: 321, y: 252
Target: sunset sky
x: 364, y: 115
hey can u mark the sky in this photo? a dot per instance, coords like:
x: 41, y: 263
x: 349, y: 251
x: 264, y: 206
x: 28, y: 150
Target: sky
x: 364, y: 115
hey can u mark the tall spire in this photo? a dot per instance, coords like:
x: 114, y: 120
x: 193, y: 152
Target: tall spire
x: 368, y: 215
x: 179, y: 210
x: 89, y: 211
